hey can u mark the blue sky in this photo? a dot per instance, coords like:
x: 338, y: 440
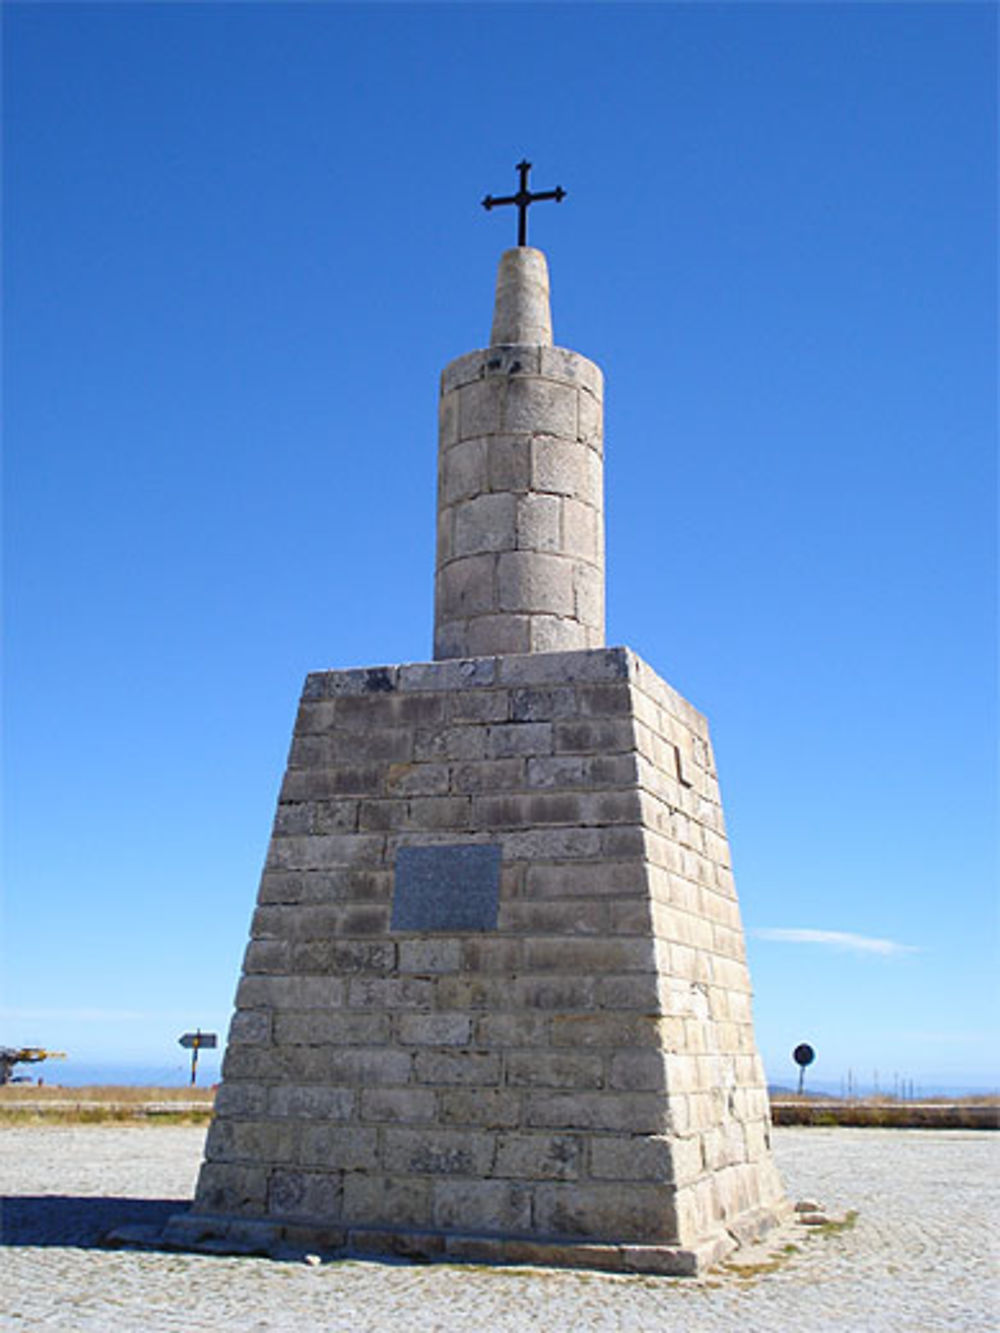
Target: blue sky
x: 240, y: 242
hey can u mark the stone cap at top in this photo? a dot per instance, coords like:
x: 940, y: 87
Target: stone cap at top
x: 522, y: 314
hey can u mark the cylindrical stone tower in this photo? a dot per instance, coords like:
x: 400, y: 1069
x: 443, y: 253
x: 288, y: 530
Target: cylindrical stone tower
x: 520, y: 546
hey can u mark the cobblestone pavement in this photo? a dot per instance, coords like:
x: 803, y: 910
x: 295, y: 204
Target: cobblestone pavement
x: 923, y: 1254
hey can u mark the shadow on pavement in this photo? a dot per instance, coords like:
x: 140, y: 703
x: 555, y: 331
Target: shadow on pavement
x: 83, y: 1222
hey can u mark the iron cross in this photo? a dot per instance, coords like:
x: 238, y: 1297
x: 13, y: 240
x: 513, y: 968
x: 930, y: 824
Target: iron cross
x: 523, y: 198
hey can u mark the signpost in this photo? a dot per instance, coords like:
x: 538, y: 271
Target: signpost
x: 23, y: 1055
x: 194, y: 1042
x: 803, y: 1055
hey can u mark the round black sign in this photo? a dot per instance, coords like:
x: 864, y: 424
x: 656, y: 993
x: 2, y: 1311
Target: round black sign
x: 803, y: 1055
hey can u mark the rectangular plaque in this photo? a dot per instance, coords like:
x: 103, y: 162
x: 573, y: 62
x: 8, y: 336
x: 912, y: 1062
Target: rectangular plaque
x: 447, y: 888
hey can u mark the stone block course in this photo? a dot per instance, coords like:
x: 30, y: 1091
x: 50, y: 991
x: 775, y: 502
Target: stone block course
x: 552, y: 993
x: 482, y: 1205
x: 316, y: 1195
x: 632, y: 1157
x: 540, y: 405
x: 392, y: 993
x: 432, y: 1152
x: 639, y: 1113
x: 519, y: 738
x: 512, y: 1030
x: 315, y: 1027
x: 431, y: 955
x: 590, y: 419
x: 480, y: 408
x: 540, y: 1156
x: 448, y: 428
x: 611, y: 1032
x: 588, y: 957
x: 454, y: 742
x: 250, y: 1027
x: 554, y: 1069
x: 485, y: 523
x: 491, y: 775
x: 593, y: 735
x: 242, y: 1099
x: 290, y: 992
x: 489, y: 1108
x: 408, y: 1105
x: 484, y: 954
x: 566, y: 916
x: 642, y: 1212
x: 566, y: 367
x: 508, y: 463
x: 467, y: 587
x: 223, y: 1188
x: 582, y: 531
x: 442, y: 1029
x: 311, y: 1101
x: 481, y: 1069
x: 531, y: 581
x: 534, y: 703
x: 467, y: 473
x: 353, y: 1149
x: 403, y: 1201
x: 539, y: 523
x: 509, y: 632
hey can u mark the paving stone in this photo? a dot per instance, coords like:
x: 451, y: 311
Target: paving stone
x: 67, y: 1185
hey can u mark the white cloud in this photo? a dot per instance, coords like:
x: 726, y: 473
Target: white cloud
x: 835, y: 939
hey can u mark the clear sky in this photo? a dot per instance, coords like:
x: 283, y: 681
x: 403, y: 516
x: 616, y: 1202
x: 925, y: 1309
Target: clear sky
x: 241, y: 240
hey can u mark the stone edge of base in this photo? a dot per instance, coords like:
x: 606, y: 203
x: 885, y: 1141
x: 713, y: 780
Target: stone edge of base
x: 214, y: 1234
x: 502, y: 671
x: 753, y: 1226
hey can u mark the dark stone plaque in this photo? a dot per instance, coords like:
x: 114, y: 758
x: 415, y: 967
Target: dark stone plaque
x: 447, y: 888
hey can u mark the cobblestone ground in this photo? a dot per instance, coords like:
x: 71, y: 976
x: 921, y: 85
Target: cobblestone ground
x: 923, y: 1254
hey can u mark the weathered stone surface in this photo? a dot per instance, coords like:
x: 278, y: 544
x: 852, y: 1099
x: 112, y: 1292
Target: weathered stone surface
x: 593, y: 1212
x: 482, y: 1205
x: 434, y: 1152
x: 400, y: 1201
x: 595, y: 1038
x: 540, y: 1156
x: 522, y: 313
x: 491, y: 1108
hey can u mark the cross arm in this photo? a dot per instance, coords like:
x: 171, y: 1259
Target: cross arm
x: 523, y: 199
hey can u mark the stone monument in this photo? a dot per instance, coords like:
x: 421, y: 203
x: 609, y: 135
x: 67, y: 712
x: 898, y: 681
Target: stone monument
x: 495, y: 1004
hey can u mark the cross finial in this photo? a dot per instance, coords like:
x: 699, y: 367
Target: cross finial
x: 523, y: 198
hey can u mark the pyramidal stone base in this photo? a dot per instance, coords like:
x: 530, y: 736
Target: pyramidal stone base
x: 495, y: 1004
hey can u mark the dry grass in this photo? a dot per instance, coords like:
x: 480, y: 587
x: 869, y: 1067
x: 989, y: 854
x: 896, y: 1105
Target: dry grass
x: 836, y: 1225
x: 12, y: 1093
x: 979, y: 1112
x: 783, y: 1095
x: 25, y: 1104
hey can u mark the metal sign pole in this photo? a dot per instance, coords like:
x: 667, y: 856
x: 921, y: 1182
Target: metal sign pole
x: 803, y: 1055
x: 193, y: 1042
